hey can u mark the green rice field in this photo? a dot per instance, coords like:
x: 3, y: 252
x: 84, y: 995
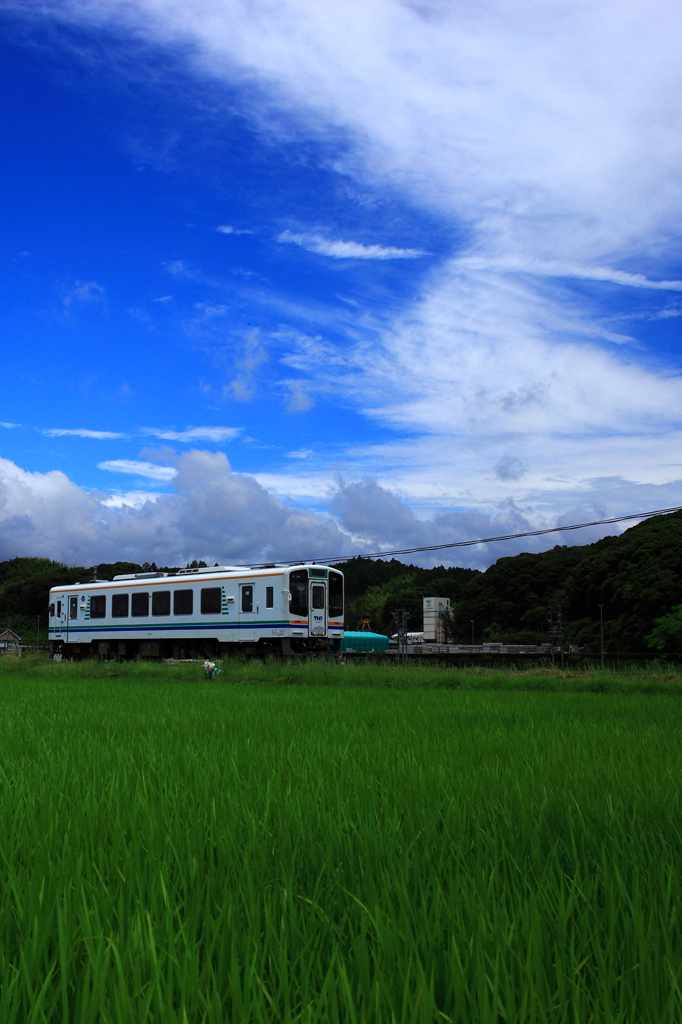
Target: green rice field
x: 352, y: 843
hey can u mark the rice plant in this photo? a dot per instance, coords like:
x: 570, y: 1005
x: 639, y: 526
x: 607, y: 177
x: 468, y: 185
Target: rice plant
x: 174, y: 850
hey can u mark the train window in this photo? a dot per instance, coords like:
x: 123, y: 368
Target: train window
x: 335, y: 595
x: 210, y: 601
x: 51, y: 608
x: 98, y: 607
x: 247, y: 599
x: 119, y: 606
x: 318, y: 596
x: 298, y: 593
x: 269, y: 597
x: 183, y: 602
x: 139, y: 605
x: 161, y: 602
x: 59, y: 609
x: 73, y: 607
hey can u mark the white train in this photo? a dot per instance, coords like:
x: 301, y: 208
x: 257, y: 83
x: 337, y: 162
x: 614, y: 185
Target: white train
x: 283, y: 609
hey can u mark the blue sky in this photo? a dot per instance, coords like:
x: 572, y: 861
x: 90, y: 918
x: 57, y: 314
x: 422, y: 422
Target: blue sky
x: 308, y: 280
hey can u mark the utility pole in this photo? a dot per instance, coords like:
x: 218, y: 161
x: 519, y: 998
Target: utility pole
x: 555, y: 633
x: 38, y: 636
x: 400, y: 618
x: 601, y: 633
x: 472, y: 632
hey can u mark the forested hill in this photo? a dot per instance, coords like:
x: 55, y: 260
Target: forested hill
x: 637, y: 576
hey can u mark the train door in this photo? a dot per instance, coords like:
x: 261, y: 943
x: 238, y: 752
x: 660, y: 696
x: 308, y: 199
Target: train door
x: 247, y: 612
x: 61, y: 622
x: 317, y: 605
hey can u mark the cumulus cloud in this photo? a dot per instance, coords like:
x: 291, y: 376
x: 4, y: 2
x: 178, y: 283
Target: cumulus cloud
x: 219, y: 515
x: 192, y: 434
x: 213, y: 513
x: 136, y: 468
x: 341, y: 250
x: 378, y: 518
x: 97, y: 435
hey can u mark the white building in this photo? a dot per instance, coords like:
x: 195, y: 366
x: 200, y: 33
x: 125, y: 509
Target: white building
x: 436, y: 610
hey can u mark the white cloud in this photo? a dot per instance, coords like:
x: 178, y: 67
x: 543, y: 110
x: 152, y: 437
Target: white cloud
x: 216, y: 514
x: 180, y: 268
x: 548, y: 138
x: 301, y: 453
x: 193, y: 434
x: 136, y: 468
x: 558, y: 269
x: 97, y: 435
x: 298, y: 399
x: 84, y: 292
x: 253, y: 356
x: 227, y: 229
x: 213, y: 513
x: 10, y: 426
x: 128, y: 499
x: 341, y: 250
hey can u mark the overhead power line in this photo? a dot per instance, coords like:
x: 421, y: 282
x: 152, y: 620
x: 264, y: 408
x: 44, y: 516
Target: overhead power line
x: 508, y: 536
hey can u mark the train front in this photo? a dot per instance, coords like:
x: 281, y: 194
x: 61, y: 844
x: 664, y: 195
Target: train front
x: 316, y: 608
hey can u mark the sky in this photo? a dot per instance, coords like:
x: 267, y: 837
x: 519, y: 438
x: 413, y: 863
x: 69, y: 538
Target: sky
x: 295, y: 280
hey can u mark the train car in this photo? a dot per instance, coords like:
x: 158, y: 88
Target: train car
x: 292, y: 609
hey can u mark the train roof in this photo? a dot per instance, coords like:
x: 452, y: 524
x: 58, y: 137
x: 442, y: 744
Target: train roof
x: 207, y: 573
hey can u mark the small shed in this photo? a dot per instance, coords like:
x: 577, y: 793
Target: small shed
x: 364, y: 642
x: 10, y: 641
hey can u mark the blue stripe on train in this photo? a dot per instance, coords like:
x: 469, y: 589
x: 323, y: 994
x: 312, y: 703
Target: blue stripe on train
x: 177, y: 628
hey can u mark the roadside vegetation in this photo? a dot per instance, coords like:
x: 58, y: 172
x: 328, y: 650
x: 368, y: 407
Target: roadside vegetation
x: 324, y: 842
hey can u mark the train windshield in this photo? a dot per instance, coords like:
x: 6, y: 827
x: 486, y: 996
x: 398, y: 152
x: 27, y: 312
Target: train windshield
x: 335, y: 595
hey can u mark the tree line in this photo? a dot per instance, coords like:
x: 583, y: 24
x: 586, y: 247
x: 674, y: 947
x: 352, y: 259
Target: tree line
x: 636, y: 578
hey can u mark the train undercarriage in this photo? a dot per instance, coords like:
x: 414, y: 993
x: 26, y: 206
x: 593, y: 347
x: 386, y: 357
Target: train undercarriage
x: 187, y: 650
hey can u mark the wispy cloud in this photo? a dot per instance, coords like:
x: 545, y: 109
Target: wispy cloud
x: 210, y: 310
x: 97, y: 435
x: 10, y: 426
x: 84, y: 292
x: 180, y: 268
x: 215, y: 434
x: 302, y: 453
x: 540, y: 268
x: 298, y: 399
x: 136, y: 468
x: 254, y: 355
x: 343, y: 250
x: 548, y: 138
x: 227, y: 229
